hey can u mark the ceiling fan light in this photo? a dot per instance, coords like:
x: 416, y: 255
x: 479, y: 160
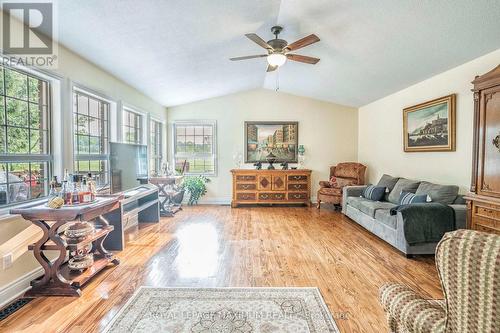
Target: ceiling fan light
x: 276, y: 59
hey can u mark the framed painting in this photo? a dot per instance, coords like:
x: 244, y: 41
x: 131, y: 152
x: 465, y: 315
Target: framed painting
x: 430, y: 126
x: 277, y: 140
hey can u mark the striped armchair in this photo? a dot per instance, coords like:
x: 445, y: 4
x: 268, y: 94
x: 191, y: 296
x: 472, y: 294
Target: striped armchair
x: 468, y: 264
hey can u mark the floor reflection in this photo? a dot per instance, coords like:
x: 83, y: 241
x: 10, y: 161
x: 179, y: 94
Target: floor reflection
x: 198, y: 251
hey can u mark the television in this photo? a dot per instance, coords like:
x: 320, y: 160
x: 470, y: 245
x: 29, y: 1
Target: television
x: 129, y: 166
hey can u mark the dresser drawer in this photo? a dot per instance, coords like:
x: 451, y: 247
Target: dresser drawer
x: 487, y: 211
x: 298, y: 178
x: 297, y: 187
x: 246, y: 187
x: 297, y: 196
x: 485, y: 222
x: 246, y: 178
x: 272, y: 196
x: 246, y: 196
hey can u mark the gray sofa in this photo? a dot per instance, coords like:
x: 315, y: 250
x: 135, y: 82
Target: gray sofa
x: 375, y: 215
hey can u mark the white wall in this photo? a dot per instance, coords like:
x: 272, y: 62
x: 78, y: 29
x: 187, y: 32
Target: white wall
x: 328, y: 131
x: 380, y: 144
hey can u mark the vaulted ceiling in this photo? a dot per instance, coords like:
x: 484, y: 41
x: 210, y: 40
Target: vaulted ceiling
x: 177, y: 51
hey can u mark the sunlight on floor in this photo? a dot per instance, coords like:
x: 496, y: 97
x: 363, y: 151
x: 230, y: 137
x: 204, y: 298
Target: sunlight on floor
x: 198, y: 247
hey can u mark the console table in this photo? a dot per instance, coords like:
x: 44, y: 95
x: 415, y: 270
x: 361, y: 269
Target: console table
x: 165, y: 195
x: 58, y: 279
x: 271, y: 187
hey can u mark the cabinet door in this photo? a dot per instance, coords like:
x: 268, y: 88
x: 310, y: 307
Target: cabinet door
x: 279, y: 182
x: 489, y: 161
x: 265, y: 182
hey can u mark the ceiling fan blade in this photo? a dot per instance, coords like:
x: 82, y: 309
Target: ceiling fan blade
x: 308, y: 40
x: 301, y: 58
x: 256, y: 39
x: 248, y: 57
x: 271, y: 68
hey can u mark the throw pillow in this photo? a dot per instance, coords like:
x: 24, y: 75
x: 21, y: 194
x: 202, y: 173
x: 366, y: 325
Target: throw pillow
x: 403, y: 185
x: 445, y: 194
x: 375, y: 193
x: 340, y: 182
x: 389, y: 182
x: 407, y: 198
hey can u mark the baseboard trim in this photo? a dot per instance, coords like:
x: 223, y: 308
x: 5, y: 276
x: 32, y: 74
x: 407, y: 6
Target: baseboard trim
x: 18, y: 287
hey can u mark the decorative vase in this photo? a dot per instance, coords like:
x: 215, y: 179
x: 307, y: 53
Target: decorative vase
x: 302, y: 157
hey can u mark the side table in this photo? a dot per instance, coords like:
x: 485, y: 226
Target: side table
x: 58, y: 279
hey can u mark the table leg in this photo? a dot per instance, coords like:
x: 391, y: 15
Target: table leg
x: 53, y: 282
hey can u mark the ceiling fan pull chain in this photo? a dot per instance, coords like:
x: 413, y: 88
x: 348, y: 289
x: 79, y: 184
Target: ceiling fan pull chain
x: 278, y: 79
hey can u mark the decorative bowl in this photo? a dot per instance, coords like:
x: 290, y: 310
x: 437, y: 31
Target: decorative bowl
x: 79, y: 230
x: 78, y: 263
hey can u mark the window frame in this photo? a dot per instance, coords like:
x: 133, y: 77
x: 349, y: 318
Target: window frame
x: 213, y: 155
x: 103, y: 157
x: 28, y: 158
x: 138, y: 130
x: 158, y: 158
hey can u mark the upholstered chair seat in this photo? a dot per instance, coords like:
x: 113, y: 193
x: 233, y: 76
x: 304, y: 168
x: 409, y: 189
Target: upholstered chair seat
x: 468, y: 264
x: 341, y: 175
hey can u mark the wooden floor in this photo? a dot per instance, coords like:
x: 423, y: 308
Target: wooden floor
x: 216, y: 246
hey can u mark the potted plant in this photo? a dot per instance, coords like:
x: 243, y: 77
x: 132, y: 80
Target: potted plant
x: 196, y: 186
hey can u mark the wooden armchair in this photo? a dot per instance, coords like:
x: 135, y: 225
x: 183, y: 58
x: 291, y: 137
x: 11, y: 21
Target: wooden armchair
x: 341, y: 175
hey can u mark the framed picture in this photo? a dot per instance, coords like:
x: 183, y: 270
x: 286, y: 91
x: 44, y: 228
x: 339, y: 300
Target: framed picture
x: 430, y: 126
x: 277, y: 140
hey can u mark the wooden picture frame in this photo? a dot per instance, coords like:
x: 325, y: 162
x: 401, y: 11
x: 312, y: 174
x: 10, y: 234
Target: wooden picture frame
x: 430, y: 126
x: 285, y: 150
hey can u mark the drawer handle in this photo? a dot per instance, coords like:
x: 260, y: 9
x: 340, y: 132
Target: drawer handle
x: 297, y: 177
x: 246, y: 197
x: 279, y: 196
x: 245, y: 187
x: 496, y: 142
x: 264, y: 196
x: 297, y: 186
x: 297, y: 196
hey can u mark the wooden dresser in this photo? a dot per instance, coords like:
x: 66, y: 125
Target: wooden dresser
x: 271, y: 187
x: 483, y: 202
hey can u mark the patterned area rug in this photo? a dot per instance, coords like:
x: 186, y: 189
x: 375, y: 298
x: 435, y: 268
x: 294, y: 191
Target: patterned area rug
x: 224, y: 310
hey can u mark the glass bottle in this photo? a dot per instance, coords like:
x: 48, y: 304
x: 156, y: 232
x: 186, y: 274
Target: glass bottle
x: 76, y: 188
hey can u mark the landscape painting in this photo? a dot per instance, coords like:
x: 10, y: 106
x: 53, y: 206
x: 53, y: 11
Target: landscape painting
x: 271, y: 140
x: 430, y: 126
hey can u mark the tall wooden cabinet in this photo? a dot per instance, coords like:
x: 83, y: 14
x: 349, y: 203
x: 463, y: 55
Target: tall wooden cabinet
x: 484, y: 200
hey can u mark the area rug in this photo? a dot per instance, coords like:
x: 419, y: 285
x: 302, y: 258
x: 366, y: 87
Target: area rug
x: 224, y: 310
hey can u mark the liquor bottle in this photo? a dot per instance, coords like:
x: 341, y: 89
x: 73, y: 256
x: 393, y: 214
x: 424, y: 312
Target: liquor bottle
x: 92, y: 186
x: 66, y: 193
x: 76, y: 188
x: 84, y: 193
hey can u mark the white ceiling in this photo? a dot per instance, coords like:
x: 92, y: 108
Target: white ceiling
x: 177, y: 51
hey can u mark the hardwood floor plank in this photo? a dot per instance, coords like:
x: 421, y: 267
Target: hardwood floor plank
x: 216, y: 246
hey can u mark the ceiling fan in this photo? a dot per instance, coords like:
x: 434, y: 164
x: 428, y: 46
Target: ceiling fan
x: 278, y: 49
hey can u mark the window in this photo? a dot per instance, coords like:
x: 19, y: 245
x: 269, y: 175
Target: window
x: 132, y: 127
x: 91, y: 138
x: 194, y: 146
x: 25, y: 156
x: 155, y: 153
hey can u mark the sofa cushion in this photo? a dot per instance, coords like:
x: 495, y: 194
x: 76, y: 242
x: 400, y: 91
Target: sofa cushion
x: 445, y: 194
x: 384, y: 216
x: 389, y: 182
x: 330, y: 191
x: 403, y: 185
x: 375, y: 193
x: 356, y: 202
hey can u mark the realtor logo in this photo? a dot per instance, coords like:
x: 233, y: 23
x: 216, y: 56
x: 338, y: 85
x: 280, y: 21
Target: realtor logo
x: 28, y: 33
